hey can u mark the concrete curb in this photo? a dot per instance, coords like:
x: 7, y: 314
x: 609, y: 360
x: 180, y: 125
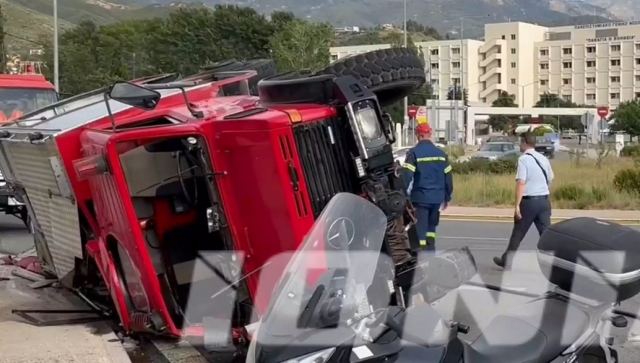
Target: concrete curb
x: 497, y: 218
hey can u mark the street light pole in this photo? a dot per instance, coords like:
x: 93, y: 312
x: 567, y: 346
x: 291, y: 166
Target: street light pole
x: 56, y: 69
x: 406, y: 99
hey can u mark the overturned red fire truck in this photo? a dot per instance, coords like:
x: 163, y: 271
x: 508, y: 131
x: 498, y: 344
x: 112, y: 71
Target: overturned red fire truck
x: 127, y: 185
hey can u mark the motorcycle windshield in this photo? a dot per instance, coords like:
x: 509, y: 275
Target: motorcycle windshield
x: 324, y: 284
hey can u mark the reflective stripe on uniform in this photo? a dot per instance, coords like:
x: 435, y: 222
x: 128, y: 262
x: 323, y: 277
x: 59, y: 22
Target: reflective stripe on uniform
x: 409, y: 166
x: 447, y: 170
x: 431, y: 159
x: 423, y: 242
x: 431, y: 234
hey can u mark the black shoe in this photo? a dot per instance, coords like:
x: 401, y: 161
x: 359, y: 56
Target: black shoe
x: 499, y: 261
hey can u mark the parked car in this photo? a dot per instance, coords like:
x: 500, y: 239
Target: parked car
x: 496, y: 151
x: 498, y: 138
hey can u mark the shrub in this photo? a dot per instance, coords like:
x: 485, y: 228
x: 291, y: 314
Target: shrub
x: 600, y: 194
x: 570, y: 192
x: 484, y: 166
x: 631, y: 150
x: 628, y: 180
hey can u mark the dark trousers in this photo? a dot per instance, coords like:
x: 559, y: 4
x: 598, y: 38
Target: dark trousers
x: 428, y: 216
x: 534, y: 211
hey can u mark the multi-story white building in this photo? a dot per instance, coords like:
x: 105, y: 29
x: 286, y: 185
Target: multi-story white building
x: 596, y: 65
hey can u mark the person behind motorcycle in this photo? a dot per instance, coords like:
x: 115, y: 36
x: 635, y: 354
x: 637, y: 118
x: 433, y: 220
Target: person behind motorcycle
x: 428, y: 168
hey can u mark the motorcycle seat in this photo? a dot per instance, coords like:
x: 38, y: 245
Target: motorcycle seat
x: 535, y: 332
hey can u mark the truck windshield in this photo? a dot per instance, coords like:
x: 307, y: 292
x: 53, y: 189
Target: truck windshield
x: 15, y: 102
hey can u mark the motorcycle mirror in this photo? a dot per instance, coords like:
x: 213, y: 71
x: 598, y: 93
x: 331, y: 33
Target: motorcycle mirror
x: 134, y: 95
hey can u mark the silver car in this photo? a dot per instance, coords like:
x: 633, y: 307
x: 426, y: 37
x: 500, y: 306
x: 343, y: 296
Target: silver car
x: 497, y: 150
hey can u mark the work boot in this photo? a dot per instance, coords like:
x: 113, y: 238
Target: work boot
x: 499, y: 261
x: 431, y: 244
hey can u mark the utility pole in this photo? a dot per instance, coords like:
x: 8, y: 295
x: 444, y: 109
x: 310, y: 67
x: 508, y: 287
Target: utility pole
x: 56, y: 69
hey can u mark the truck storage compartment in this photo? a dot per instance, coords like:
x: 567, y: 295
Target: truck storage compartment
x: 592, y: 258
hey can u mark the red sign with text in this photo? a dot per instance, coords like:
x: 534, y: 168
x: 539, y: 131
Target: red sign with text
x: 603, y: 111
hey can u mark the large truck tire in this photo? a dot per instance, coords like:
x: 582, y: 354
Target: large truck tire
x: 391, y: 74
x: 264, y: 67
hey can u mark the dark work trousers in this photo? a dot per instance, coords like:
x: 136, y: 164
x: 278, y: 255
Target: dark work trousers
x: 534, y: 210
x: 428, y: 216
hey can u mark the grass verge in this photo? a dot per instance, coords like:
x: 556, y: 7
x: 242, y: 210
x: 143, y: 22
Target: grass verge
x: 581, y: 186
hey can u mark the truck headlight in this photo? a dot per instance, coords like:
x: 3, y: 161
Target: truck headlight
x: 316, y: 357
x: 368, y: 123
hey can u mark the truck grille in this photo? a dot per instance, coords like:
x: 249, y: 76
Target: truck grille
x: 324, y: 147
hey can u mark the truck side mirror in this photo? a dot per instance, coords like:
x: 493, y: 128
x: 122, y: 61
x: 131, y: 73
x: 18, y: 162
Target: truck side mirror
x: 389, y: 127
x: 134, y: 95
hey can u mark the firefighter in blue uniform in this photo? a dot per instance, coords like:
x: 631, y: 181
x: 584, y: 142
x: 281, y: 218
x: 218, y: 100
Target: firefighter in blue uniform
x: 428, y: 168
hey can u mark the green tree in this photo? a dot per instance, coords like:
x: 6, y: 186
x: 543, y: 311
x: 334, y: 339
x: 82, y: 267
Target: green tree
x: 3, y: 52
x: 501, y: 122
x: 627, y: 118
x: 279, y: 19
x: 302, y: 45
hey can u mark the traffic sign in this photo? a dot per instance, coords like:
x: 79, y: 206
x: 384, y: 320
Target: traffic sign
x: 412, y: 111
x: 603, y: 111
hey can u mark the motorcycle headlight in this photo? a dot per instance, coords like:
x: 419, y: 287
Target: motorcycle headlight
x: 316, y: 357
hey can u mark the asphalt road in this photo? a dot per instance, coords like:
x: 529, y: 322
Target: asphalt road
x: 14, y: 237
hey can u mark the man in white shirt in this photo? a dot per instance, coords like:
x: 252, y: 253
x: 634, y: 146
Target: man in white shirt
x: 532, y: 204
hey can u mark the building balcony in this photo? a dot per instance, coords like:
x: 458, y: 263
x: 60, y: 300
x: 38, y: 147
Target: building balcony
x: 492, y: 58
x: 491, y: 72
x: 491, y: 44
x: 494, y: 88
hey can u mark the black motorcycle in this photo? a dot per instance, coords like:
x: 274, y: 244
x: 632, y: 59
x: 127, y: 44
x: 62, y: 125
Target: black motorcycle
x: 332, y: 304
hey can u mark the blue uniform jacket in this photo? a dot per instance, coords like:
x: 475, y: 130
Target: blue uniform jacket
x: 428, y: 167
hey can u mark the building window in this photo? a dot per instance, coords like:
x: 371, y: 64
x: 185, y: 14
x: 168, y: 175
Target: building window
x: 513, y: 65
x: 513, y: 37
x: 499, y: 78
x: 638, y: 78
x: 566, y: 65
x: 334, y: 57
x: 435, y: 66
x: 435, y: 52
x: 513, y: 81
x: 638, y: 61
x: 455, y: 64
x: 615, y: 96
x: 615, y: 79
x: 513, y: 50
x: 544, y: 52
x: 591, y: 49
x: 591, y: 64
x: 567, y: 98
x: 637, y: 95
x: 544, y: 65
x: 455, y: 81
x: 544, y: 82
x: 566, y: 81
x: 455, y: 51
x: 567, y: 51
x: 638, y: 47
x: 591, y: 80
x: 434, y: 82
x: 504, y: 37
x: 591, y: 96
x: 615, y: 62
x: 616, y: 48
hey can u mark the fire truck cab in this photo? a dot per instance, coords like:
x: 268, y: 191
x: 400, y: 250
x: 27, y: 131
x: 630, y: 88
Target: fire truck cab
x: 20, y: 94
